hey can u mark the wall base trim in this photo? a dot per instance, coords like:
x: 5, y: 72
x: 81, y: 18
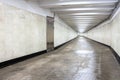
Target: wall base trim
x: 115, y: 54
x: 20, y: 59
x: 23, y: 58
x: 113, y: 51
x: 65, y: 43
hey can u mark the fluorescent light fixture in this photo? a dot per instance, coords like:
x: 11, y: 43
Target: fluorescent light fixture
x: 65, y: 3
x: 83, y: 16
x: 80, y: 18
x: 90, y: 13
x: 83, y: 9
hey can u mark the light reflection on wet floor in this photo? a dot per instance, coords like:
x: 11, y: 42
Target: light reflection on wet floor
x: 81, y: 59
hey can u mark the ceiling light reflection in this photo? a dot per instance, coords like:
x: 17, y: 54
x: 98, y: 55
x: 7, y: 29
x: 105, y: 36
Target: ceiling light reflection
x: 83, y: 53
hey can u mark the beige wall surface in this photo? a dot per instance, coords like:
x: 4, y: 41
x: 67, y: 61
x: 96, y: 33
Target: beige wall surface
x: 62, y: 32
x: 108, y: 33
x: 21, y: 33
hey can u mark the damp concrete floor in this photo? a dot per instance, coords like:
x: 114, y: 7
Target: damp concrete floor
x: 80, y: 59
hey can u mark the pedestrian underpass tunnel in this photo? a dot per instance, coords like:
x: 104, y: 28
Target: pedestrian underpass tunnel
x: 59, y: 40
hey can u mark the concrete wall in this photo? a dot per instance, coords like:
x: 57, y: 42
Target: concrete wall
x: 63, y: 32
x: 23, y: 32
x: 29, y: 5
x: 108, y: 33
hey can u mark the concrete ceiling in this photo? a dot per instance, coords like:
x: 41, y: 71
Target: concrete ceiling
x: 81, y: 15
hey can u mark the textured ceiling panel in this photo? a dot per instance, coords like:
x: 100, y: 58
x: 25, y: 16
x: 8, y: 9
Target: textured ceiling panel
x: 81, y: 15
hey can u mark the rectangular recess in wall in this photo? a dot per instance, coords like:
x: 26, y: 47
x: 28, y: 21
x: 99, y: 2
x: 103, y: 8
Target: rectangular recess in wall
x: 50, y: 33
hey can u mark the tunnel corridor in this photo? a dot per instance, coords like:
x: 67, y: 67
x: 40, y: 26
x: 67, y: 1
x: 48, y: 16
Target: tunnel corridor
x: 59, y: 39
x: 80, y: 59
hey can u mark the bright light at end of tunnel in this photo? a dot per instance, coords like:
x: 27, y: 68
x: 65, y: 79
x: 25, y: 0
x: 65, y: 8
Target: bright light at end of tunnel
x: 81, y: 34
x: 81, y: 30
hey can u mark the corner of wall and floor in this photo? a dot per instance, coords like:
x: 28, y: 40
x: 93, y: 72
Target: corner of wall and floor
x: 108, y: 33
x: 23, y: 30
